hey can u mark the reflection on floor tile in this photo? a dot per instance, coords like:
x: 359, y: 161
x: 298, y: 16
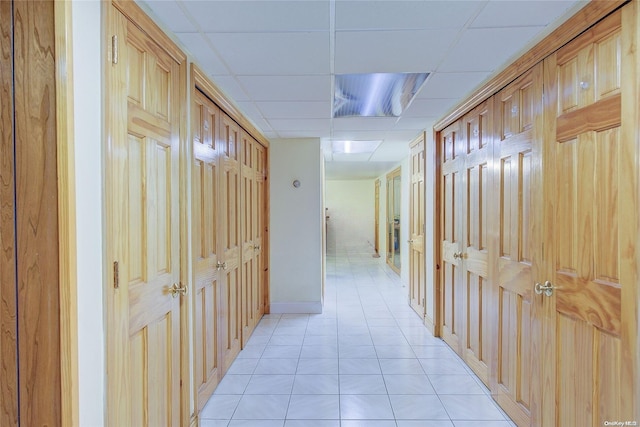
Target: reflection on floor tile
x: 366, y: 361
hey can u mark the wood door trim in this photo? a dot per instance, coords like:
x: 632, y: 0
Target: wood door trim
x: 582, y: 20
x: 67, y: 254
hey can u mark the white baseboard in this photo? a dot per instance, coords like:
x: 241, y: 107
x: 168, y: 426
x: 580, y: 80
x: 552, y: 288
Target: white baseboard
x: 295, y: 307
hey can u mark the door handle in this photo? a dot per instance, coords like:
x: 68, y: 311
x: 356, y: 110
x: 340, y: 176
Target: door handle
x: 176, y: 289
x: 410, y: 241
x: 221, y: 265
x: 458, y: 255
x: 546, y: 288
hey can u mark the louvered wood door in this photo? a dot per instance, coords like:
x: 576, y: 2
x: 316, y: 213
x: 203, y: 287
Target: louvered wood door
x: 417, y: 279
x: 250, y: 244
x: 452, y: 166
x: 231, y: 245
x: 517, y: 160
x: 143, y: 363
x: 205, y: 207
x: 590, y: 168
x: 475, y: 283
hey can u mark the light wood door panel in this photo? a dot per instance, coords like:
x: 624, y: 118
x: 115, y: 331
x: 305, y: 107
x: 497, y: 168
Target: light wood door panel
x: 204, y: 229
x: 262, y: 220
x: 250, y: 244
x: 516, y: 160
x: 143, y: 156
x: 230, y: 211
x: 452, y: 163
x: 475, y: 273
x: 591, y: 328
x: 417, y: 279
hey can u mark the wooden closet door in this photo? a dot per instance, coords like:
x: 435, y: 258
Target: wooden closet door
x: 262, y: 218
x: 475, y: 274
x: 452, y: 166
x: 249, y: 222
x: 8, y: 289
x: 591, y: 174
x: 230, y: 250
x: 143, y: 353
x: 417, y: 284
x: 517, y: 160
x: 204, y: 228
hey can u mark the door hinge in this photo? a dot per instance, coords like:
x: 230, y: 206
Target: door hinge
x: 114, y: 49
x: 116, y: 275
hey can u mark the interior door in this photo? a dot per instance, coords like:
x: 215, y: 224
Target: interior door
x: 417, y: 279
x: 143, y: 236
x: 231, y: 293
x: 393, y: 220
x: 376, y: 231
x: 592, y: 178
x: 204, y: 229
x: 452, y: 163
x: 477, y: 144
x: 250, y: 277
x: 260, y: 246
x: 517, y: 160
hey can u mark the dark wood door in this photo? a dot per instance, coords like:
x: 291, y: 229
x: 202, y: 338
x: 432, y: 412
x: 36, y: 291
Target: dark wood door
x: 29, y: 285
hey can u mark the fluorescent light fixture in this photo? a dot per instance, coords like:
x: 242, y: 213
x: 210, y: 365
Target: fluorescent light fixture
x: 376, y: 94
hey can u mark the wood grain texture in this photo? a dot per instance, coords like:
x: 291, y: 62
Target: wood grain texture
x: 37, y: 222
x: 575, y: 25
x: 417, y: 279
x: 8, y: 308
x: 601, y: 115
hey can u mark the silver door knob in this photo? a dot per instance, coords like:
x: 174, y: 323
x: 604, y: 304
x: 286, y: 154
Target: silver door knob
x: 458, y: 255
x: 544, y: 288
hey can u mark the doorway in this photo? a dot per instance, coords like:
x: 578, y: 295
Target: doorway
x: 376, y: 229
x: 394, y: 189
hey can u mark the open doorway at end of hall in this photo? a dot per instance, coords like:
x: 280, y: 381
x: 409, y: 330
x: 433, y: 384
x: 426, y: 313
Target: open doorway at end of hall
x: 394, y: 188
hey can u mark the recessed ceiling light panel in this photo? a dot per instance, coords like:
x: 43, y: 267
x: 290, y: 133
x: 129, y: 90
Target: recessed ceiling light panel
x: 376, y: 94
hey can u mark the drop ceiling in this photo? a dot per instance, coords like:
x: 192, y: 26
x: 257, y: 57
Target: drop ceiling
x: 277, y: 60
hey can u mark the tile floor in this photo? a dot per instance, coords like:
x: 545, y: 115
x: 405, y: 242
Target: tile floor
x: 366, y: 361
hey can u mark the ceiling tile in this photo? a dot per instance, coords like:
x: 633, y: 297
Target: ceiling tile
x: 260, y: 16
x: 391, y: 151
x: 390, y: 51
x: 295, y: 110
x: 428, y: 107
x: 402, y: 137
x: 287, y: 87
x: 520, y: 13
x: 487, y: 49
x: 288, y: 125
x: 273, y: 53
x: 204, y: 56
x: 358, y: 135
x: 340, y: 157
x: 171, y: 16
x: 451, y: 85
x: 229, y: 85
x: 403, y: 15
x: 410, y: 123
x: 371, y: 123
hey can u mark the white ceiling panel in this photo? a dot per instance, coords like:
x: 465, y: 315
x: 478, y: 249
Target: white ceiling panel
x: 356, y: 123
x: 229, y: 85
x: 277, y: 59
x: 295, y: 110
x: 260, y: 16
x: 403, y: 15
x: 370, y: 51
x: 341, y: 157
x: 274, y: 53
x: 427, y: 107
x: 317, y: 125
x: 288, y: 87
x: 486, y: 49
x: 520, y: 14
x: 204, y: 56
x: 357, y: 170
x: 172, y: 16
x: 451, y: 85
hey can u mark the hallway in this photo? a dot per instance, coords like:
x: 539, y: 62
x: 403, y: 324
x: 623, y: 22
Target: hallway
x: 366, y: 361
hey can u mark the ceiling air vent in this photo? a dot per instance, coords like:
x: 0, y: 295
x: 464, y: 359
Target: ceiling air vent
x: 375, y: 95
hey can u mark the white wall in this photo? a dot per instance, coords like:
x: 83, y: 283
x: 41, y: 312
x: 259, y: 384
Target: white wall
x: 295, y: 232
x: 351, y: 207
x: 87, y: 87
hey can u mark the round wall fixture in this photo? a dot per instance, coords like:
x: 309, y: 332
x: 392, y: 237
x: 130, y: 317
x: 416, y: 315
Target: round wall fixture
x: 296, y: 183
